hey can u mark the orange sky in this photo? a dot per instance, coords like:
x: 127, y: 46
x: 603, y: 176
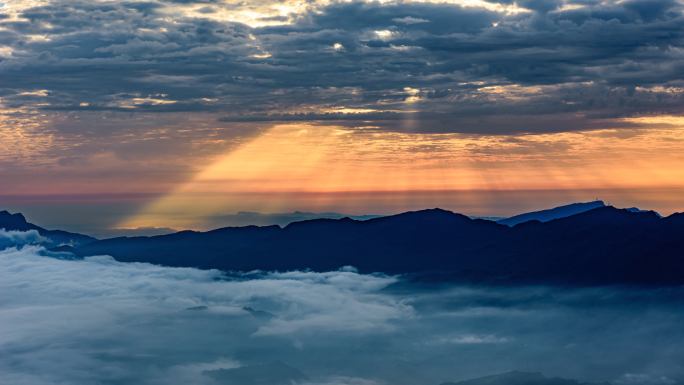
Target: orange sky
x: 305, y: 167
x: 318, y: 168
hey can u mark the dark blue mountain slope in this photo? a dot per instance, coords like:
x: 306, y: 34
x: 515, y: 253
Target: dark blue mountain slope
x: 17, y: 222
x: 555, y: 213
x: 597, y: 247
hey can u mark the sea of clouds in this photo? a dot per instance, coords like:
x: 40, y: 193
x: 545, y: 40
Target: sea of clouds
x: 99, y: 321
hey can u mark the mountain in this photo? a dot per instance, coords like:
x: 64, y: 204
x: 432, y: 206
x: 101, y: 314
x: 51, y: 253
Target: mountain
x: 17, y: 222
x: 597, y: 247
x: 245, y: 218
x: 636, y: 210
x: 149, y: 231
x: 555, y: 213
x: 520, y: 378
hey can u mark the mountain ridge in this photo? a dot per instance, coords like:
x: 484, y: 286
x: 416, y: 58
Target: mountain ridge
x: 17, y: 222
x: 551, y: 214
x: 247, y: 218
x: 601, y: 246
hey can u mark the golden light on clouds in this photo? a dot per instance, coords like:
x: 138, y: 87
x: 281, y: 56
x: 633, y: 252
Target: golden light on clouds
x: 261, y: 13
x: 258, y: 13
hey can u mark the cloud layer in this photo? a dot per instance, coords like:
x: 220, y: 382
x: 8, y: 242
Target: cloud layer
x: 548, y: 61
x: 101, y: 321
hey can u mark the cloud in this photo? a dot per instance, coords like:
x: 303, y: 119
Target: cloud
x: 101, y: 321
x: 13, y: 238
x: 410, y: 20
x: 82, y: 308
x: 630, y: 378
x: 470, y: 339
x: 583, y: 59
x: 136, y: 90
x: 138, y: 47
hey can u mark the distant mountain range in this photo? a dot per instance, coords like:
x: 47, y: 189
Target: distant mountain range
x: 139, y: 232
x: 246, y: 218
x: 601, y: 246
x: 555, y: 213
x: 558, y: 212
x: 17, y: 222
x: 636, y: 210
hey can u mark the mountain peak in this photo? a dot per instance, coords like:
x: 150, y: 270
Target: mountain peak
x: 18, y: 217
x: 636, y: 210
x: 431, y: 213
x: 554, y: 213
x: 17, y: 222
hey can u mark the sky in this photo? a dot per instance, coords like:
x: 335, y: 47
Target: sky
x: 96, y: 320
x: 154, y: 113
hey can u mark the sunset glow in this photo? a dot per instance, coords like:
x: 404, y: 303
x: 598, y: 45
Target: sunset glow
x: 157, y: 113
x: 310, y: 167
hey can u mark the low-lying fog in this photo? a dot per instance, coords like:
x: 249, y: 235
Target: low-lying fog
x: 100, y: 321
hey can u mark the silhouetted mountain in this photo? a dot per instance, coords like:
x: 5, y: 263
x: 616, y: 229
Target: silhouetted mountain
x: 636, y: 210
x: 139, y: 232
x: 272, y: 373
x: 493, y: 219
x: 601, y: 246
x: 520, y: 378
x: 555, y: 213
x: 184, y: 248
x: 245, y: 218
x: 18, y: 222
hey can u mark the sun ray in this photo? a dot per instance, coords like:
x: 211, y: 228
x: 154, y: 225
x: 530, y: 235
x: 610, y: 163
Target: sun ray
x: 309, y: 167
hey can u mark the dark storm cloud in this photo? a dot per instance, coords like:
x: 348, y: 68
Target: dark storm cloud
x: 97, y: 320
x: 584, y: 60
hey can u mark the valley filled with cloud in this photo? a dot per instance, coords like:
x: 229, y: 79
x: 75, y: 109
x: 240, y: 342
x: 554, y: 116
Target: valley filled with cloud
x: 96, y: 320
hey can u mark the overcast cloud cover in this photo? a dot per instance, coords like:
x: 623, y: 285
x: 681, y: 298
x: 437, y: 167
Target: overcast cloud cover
x: 101, y: 321
x: 546, y: 60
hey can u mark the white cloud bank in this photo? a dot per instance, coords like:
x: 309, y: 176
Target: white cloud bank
x: 101, y: 321
x: 52, y: 308
x: 15, y: 238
